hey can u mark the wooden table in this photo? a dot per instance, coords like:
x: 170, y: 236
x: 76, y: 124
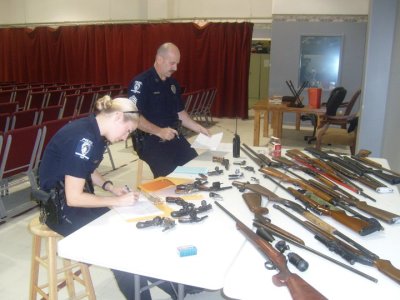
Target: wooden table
x: 263, y: 107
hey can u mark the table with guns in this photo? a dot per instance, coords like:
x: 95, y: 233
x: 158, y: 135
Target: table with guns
x: 306, y: 224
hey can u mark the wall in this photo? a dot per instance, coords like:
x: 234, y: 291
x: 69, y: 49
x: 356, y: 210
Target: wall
x: 380, y: 122
x: 61, y: 11
x: 391, y: 145
x: 285, y: 50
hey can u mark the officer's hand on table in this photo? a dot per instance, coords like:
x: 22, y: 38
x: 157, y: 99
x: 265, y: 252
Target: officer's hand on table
x: 128, y: 199
x: 167, y: 133
x: 204, y: 131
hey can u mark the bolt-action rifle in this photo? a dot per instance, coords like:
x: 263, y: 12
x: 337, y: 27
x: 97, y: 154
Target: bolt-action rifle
x: 346, y: 251
x: 298, y: 287
x: 358, y: 225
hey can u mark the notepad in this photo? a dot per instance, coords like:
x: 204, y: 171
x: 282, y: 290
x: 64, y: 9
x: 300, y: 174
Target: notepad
x: 143, y: 208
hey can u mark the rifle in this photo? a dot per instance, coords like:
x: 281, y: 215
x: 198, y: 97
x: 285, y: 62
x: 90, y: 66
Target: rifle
x: 381, y: 214
x: 360, y: 226
x: 322, y: 168
x: 362, y: 157
x: 298, y: 287
x: 340, y: 197
x: 260, y: 159
x: 299, y: 209
x: 352, y: 169
x: 346, y: 251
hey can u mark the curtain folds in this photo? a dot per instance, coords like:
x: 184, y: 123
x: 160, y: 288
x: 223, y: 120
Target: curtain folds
x: 216, y: 55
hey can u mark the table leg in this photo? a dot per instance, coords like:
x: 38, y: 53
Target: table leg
x: 137, y: 286
x: 266, y: 123
x: 298, y: 116
x: 276, y: 123
x: 181, y: 291
x: 256, y: 138
x: 280, y: 124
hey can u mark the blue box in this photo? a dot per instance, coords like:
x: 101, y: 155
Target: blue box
x: 187, y: 250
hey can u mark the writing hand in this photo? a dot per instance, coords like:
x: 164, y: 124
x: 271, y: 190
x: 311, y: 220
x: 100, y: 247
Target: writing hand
x: 128, y: 199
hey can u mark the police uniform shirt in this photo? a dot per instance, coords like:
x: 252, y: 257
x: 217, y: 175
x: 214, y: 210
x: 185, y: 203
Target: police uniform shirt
x: 158, y: 100
x: 76, y: 150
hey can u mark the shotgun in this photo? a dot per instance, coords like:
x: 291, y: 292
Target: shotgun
x: 298, y: 287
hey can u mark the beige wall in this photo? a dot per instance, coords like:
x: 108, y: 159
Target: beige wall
x: 65, y: 11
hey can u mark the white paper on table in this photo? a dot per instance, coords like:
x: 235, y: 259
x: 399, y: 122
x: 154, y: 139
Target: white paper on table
x: 210, y: 143
x: 142, y: 208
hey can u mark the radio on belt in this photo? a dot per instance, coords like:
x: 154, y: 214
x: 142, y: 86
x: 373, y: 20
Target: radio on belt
x: 187, y: 250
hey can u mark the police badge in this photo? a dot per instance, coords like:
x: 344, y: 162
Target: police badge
x: 173, y: 88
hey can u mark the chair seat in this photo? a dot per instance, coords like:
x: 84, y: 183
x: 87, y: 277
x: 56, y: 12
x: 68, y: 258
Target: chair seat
x: 338, y: 136
x: 42, y: 230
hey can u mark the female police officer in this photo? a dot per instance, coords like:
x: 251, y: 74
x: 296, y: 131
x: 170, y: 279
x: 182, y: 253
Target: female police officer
x: 68, y: 172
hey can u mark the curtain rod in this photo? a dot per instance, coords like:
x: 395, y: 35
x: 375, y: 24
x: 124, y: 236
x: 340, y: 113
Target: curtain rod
x: 175, y: 20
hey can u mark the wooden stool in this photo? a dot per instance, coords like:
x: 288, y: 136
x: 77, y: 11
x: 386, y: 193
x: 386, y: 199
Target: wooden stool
x: 49, y: 262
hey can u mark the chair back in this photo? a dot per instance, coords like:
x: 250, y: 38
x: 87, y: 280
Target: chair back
x: 49, y: 113
x: 352, y: 101
x: 24, y: 118
x: 20, y: 150
x: 335, y: 99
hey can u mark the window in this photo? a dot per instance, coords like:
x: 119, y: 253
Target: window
x: 320, y: 58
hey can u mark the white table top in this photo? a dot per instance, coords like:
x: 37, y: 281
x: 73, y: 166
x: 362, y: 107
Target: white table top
x: 112, y: 242
x: 249, y: 280
x: 225, y: 259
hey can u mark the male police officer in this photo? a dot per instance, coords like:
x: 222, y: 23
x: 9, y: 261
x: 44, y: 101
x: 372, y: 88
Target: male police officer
x: 158, y: 98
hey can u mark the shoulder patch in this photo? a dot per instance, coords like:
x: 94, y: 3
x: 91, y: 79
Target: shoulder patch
x: 83, y: 148
x: 133, y: 99
x: 136, y: 87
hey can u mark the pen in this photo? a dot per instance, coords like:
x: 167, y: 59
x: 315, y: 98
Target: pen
x: 127, y: 188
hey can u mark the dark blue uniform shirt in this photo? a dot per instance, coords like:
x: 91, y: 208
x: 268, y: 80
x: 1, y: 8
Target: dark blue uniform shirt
x: 76, y: 150
x: 159, y: 101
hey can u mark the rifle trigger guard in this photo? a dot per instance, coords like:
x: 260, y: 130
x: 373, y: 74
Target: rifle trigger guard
x: 269, y: 265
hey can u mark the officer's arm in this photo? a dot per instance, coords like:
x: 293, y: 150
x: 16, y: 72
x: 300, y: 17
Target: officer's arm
x: 76, y: 197
x: 165, y: 133
x: 189, y: 123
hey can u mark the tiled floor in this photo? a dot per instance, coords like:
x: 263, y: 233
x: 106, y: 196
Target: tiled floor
x: 16, y: 241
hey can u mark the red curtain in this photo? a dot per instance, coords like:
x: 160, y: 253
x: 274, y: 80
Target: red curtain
x: 217, y: 55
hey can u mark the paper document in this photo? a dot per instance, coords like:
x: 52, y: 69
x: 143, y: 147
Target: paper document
x: 142, y: 208
x: 210, y: 143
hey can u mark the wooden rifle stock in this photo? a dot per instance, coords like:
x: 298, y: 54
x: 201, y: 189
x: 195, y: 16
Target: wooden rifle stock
x: 381, y: 214
x: 355, y: 224
x: 385, y: 266
x: 298, y: 287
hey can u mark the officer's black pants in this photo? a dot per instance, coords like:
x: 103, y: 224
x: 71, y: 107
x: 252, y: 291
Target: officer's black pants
x: 164, y: 156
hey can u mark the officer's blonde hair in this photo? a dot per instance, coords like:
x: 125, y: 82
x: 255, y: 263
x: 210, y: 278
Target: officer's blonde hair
x: 107, y: 105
